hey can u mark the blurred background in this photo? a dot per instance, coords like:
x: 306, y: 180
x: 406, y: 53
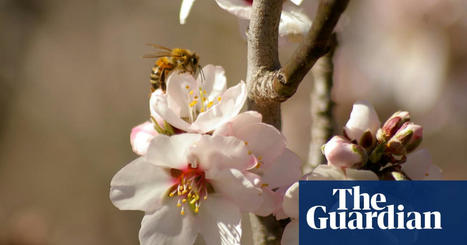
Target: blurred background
x: 73, y: 84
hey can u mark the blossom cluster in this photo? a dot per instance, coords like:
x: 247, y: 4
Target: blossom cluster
x: 203, y: 163
x: 367, y: 151
x: 388, y: 150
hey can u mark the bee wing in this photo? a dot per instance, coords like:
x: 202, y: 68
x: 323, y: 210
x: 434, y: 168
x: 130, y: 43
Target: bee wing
x: 156, y: 46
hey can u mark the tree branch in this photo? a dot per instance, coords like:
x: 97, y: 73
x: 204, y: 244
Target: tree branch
x: 269, y: 85
x: 322, y: 121
x: 315, y: 44
x: 263, y: 58
x: 263, y: 64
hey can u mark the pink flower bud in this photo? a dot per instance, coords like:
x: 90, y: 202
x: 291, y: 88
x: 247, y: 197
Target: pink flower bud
x: 392, y: 125
x: 342, y: 153
x: 406, y: 139
x: 363, y: 121
x: 141, y: 136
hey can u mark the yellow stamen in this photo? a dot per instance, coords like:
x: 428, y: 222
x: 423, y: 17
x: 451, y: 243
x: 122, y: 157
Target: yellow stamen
x: 260, y: 158
x: 193, y: 103
x: 249, y: 152
x: 172, y: 194
x: 184, y: 200
x: 182, y: 212
x: 187, y: 87
x: 191, y: 92
x: 264, y: 185
x: 246, y: 142
x: 219, y: 98
x: 258, y: 164
x: 196, y: 209
x: 210, y: 104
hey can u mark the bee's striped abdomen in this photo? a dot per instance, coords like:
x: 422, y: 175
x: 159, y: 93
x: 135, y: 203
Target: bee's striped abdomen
x: 160, y: 72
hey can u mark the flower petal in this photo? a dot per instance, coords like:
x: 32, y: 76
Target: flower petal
x: 239, y: 8
x: 215, y: 153
x: 166, y: 227
x: 326, y: 172
x: 235, y: 186
x: 285, y: 170
x: 159, y: 107
x: 185, y: 10
x: 297, y: 2
x: 141, y: 136
x: 241, y: 120
x: 290, y: 203
x: 220, y: 222
x: 213, y: 80
x: 271, y: 202
x: 171, y: 151
x: 357, y: 174
x: 329, y: 172
x: 362, y: 118
x: 139, y: 186
x: 419, y: 166
x: 293, y: 22
x: 230, y: 105
x: 179, y: 86
x: 265, y: 141
x: 290, y: 235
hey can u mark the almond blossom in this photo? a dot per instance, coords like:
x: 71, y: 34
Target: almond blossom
x: 141, y: 136
x: 198, y: 105
x: 293, y: 21
x: 362, y: 124
x: 386, y: 150
x: 277, y: 165
x: 419, y: 166
x: 189, y: 184
x: 322, y: 172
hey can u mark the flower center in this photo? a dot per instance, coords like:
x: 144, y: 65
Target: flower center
x: 199, y: 102
x: 191, y: 187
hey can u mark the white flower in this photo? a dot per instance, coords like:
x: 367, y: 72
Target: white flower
x: 293, y: 21
x: 322, y: 172
x: 188, y: 184
x: 363, y: 119
x: 201, y: 105
x: 278, y: 166
x: 420, y: 167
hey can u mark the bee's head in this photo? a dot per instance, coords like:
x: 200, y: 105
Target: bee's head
x: 194, y: 61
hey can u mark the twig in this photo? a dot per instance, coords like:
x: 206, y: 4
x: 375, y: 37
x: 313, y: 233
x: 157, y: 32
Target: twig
x: 315, y: 45
x: 322, y: 121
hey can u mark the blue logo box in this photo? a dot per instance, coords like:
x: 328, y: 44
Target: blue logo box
x: 383, y: 212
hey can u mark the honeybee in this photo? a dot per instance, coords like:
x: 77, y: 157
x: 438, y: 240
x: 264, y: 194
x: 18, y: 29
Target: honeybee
x: 169, y: 60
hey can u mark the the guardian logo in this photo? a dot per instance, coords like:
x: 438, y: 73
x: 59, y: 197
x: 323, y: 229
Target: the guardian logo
x: 368, y: 213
